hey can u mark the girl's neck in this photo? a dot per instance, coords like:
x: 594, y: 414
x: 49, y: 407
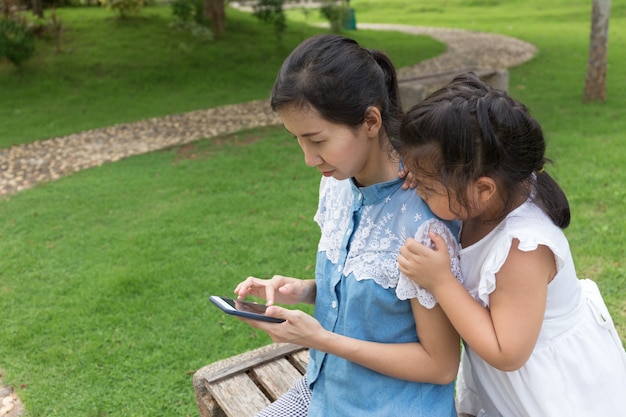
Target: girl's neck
x: 476, y: 228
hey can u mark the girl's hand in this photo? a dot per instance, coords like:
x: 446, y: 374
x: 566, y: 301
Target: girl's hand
x: 425, y: 266
x: 299, y: 327
x: 409, y: 179
x: 278, y: 289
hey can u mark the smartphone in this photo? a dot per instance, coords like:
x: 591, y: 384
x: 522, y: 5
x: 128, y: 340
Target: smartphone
x: 243, y: 308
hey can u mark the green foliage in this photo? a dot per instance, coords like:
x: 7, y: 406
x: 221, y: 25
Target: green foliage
x: 271, y: 11
x: 335, y: 12
x: 184, y: 9
x: 190, y: 10
x: 190, y: 17
x: 17, y: 42
x: 124, y: 7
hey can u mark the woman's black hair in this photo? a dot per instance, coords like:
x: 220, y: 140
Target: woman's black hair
x: 468, y: 130
x: 339, y: 79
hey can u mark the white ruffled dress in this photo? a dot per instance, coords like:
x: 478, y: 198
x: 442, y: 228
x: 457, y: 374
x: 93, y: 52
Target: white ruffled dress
x: 578, y: 366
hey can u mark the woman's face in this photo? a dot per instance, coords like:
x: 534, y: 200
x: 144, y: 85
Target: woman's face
x: 336, y: 150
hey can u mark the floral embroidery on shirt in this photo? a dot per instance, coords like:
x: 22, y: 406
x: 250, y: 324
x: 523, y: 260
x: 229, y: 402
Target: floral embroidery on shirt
x: 375, y: 246
x: 408, y: 289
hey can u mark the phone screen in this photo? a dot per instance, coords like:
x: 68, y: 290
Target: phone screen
x: 243, y: 309
x: 246, y: 306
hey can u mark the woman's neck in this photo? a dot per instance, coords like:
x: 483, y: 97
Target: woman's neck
x: 385, y: 167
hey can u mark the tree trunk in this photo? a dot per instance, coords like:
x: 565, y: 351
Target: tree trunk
x: 595, y: 83
x: 216, y: 12
x: 37, y: 8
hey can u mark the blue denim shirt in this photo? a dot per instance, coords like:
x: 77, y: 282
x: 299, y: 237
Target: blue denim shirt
x: 356, y: 277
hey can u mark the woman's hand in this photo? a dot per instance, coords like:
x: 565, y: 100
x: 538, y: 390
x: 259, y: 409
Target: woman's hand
x: 278, y: 289
x: 298, y: 327
x: 425, y: 266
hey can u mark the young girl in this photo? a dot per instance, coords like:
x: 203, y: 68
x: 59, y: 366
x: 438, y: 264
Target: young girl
x: 379, y: 346
x: 538, y: 341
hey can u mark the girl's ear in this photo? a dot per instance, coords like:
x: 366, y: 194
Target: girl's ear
x: 484, y: 189
x: 373, y: 120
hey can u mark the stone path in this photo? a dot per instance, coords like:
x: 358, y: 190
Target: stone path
x: 24, y: 166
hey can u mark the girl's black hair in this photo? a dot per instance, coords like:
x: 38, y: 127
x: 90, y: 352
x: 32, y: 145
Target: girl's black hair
x: 467, y: 130
x: 340, y: 79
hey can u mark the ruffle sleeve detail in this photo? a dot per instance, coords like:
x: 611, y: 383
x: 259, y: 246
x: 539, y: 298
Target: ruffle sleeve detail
x: 499, y: 251
x: 407, y: 289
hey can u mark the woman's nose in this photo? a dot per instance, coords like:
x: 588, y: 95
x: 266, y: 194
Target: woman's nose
x: 311, y: 157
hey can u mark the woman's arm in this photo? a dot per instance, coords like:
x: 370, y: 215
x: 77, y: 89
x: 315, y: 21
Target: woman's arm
x: 435, y: 359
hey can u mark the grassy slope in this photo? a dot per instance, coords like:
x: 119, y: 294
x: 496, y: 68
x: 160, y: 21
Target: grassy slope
x: 105, y: 273
x: 113, y: 71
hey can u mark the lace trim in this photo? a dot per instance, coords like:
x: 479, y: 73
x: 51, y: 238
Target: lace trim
x: 408, y: 289
x: 376, y: 243
x: 338, y: 202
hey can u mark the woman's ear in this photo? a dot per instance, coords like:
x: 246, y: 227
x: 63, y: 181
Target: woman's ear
x: 373, y: 120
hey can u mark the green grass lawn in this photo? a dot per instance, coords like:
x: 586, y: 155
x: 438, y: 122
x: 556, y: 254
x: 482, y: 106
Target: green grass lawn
x: 113, y: 71
x: 105, y: 274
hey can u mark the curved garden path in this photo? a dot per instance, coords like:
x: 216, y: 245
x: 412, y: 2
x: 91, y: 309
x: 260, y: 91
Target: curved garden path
x: 24, y: 166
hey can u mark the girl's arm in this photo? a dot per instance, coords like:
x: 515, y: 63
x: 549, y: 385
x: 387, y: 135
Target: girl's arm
x: 504, y: 334
x: 435, y: 359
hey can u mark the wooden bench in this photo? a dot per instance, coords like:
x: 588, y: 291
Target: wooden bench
x: 242, y: 385
x: 415, y: 89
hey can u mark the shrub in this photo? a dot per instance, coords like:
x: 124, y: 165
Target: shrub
x: 335, y: 12
x: 17, y: 42
x: 190, y: 17
x: 123, y: 7
x: 271, y: 11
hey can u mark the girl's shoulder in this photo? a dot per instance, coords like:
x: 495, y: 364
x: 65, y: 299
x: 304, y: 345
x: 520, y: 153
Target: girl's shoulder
x: 527, y: 224
x: 529, y: 220
x: 531, y: 226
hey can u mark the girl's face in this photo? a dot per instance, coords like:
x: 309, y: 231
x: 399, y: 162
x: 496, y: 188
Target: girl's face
x: 442, y: 203
x: 334, y: 149
x: 436, y: 196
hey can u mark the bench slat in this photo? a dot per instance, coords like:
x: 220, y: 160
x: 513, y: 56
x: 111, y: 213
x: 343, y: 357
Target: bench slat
x: 415, y: 89
x: 277, y: 377
x: 245, y: 361
x: 238, y: 396
x: 300, y: 360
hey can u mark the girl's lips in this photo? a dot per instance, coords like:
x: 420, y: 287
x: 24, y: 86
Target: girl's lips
x: 327, y: 173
